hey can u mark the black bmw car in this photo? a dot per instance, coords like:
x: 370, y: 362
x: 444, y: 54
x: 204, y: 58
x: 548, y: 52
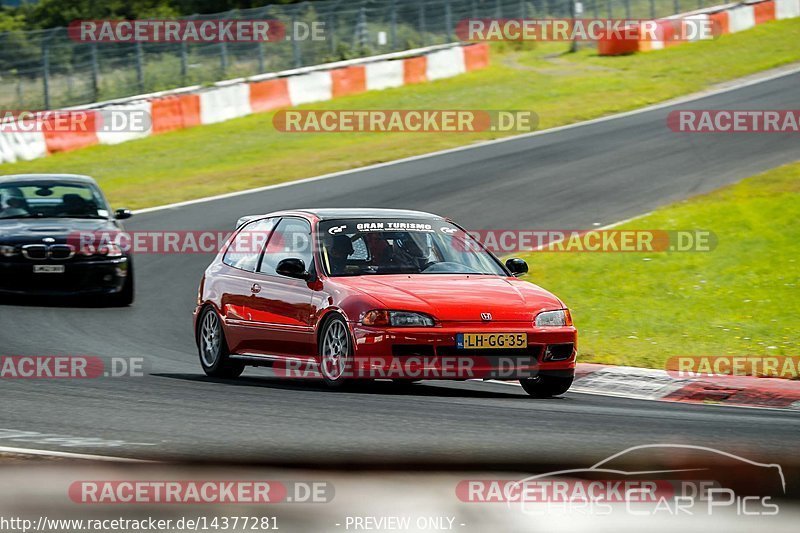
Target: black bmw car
x: 41, y: 254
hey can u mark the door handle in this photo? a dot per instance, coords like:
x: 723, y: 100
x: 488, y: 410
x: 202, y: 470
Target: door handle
x: 256, y: 288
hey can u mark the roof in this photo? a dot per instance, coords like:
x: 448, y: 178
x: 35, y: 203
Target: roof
x: 368, y: 212
x: 71, y: 178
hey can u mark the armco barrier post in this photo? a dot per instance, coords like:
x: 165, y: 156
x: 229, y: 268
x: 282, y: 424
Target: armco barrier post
x: 184, y: 63
x: 46, y: 72
x: 448, y: 21
x: 296, y: 55
x: 223, y: 57
x: 422, y: 22
x: 393, y: 24
x: 139, y: 66
x: 95, y: 72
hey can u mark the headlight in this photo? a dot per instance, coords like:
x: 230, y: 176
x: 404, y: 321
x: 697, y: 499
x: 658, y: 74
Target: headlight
x: 380, y: 317
x: 109, y: 250
x: 8, y: 251
x: 549, y: 319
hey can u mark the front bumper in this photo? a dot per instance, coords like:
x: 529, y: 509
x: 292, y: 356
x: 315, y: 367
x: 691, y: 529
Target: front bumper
x: 431, y: 353
x: 106, y: 276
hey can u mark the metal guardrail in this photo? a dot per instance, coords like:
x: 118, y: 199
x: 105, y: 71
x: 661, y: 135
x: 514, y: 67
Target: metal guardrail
x: 46, y: 69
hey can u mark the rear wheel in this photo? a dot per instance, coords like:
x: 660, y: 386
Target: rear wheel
x: 546, y: 386
x: 404, y: 384
x: 335, y: 352
x: 214, y: 355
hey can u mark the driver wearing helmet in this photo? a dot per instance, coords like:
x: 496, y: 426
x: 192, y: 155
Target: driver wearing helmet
x: 412, y: 250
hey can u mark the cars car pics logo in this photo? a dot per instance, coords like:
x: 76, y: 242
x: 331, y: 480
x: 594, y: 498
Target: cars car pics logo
x: 689, y: 488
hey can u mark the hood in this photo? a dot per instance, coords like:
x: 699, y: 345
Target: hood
x: 18, y: 230
x: 457, y: 297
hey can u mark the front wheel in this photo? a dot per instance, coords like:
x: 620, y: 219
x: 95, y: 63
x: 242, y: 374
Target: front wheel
x: 335, y: 352
x: 214, y: 356
x: 546, y: 386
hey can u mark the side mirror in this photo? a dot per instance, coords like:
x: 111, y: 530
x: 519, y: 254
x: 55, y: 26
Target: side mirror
x: 293, y: 268
x: 122, y: 214
x: 517, y: 266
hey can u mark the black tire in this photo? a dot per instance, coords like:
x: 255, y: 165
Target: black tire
x: 213, y: 348
x: 335, y: 371
x: 546, y: 386
x: 404, y: 384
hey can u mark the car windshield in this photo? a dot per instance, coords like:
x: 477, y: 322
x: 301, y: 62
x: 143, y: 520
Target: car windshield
x: 392, y: 246
x: 51, y: 199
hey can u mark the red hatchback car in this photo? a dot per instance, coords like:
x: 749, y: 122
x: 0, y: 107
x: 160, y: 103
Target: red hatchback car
x: 347, y: 294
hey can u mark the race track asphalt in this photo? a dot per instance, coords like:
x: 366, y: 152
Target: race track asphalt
x: 595, y: 173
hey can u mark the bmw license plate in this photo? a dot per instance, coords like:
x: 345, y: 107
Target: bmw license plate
x: 483, y: 341
x: 48, y: 269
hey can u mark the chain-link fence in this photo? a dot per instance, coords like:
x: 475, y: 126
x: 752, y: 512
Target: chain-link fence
x: 47, y: 69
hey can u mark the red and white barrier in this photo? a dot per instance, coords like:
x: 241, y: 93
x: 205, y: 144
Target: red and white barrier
x: 446, y: 63
x: 310, y: 88
x: 741, y: 18
x: 730, y: 18
x: 225, y: 103
x: 384, y: 74
x: 185, y: 108
x: 787, y: 9
x: 660, y: 385
x: 172, y: 113
x: 66, y: 141
x: 267, y: 95
x: 415, y: 70
x: 18, y: 145
x: 110, y: 132
x: 348, y: 80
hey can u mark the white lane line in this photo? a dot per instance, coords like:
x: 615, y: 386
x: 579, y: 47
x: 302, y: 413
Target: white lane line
x: 70, y: 455
x: 728, y: 87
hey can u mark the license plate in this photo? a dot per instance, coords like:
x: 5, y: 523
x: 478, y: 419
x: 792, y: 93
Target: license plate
x: 485, y: 341
x: 48, y: 269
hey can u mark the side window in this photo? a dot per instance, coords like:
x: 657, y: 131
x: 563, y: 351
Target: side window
x: 244, y: 251
x: 291, y: 238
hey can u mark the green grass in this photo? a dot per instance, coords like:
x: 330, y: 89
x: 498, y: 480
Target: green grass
x: 561, y: 88
x: 742, y: 298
